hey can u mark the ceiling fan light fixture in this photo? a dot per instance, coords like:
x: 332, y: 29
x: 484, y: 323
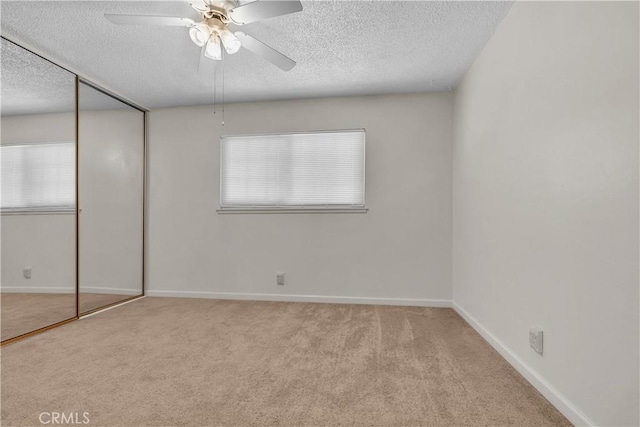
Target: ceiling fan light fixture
x: 213, y: 49
x: 230, y: 42
x: 199, y: 34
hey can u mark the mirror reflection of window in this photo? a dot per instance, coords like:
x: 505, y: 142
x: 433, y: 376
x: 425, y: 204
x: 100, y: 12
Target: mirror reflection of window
x: 38, y: 177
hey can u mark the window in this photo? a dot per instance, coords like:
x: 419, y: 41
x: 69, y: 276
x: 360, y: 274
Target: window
x: 316, y: 170
x: 38, y: 177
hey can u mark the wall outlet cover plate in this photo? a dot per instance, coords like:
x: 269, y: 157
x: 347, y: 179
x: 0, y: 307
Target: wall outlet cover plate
x: 535, y: 339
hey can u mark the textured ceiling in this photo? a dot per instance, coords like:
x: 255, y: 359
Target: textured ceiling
x: 341, y: 47
x: 33, y: 85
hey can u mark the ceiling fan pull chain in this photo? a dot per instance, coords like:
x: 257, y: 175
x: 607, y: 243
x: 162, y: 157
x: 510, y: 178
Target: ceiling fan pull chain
x: 214, y: 90
x: 223, y: 55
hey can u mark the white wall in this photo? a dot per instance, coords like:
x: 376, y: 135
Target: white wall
x: 46, y: 243
x: 546, y: 200
x: 400, y: 249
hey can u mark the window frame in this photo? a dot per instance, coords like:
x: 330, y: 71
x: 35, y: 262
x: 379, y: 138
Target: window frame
x: 271, y: 209
x: 44, y: 210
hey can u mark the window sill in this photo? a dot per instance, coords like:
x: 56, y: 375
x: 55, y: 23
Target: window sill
x: 38, y: 212
x: 292, y: 210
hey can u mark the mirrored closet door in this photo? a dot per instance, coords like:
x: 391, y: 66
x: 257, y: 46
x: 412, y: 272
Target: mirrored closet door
x: 38, y: 193
x: 111, y: 156
x: 72, y: 183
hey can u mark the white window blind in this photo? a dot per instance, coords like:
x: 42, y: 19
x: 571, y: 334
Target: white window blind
x: 316, y: 169
x: 39, y: 177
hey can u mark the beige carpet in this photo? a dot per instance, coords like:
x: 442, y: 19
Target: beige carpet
x: 22, y: 313
x: 170, y: 362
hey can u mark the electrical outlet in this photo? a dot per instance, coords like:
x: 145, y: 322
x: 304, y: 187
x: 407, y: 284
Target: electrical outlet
x: 280, y: 278
x: 535, y: 339
x: 27, y: 272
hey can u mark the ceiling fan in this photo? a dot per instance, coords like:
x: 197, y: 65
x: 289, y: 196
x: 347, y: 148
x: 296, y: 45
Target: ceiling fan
x: 219, y: 18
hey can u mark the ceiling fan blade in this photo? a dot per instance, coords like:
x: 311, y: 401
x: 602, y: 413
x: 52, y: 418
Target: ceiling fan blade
x: 166, y: 21
x: 270, y: 54
x: 199, y: 5
x: 263, y: 9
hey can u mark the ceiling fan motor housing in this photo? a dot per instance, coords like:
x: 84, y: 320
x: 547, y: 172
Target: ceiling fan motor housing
x: 218, y: 12
x: 215, y: 24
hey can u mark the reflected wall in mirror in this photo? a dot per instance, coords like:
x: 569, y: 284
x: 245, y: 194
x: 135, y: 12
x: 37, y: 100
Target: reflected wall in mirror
x: 111, y: 177
x: 38, y: 192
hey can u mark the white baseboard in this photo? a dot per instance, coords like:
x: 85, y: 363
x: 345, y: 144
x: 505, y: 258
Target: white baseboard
x: 302, y: 298
x: 67, y: 290
x: 110, y: 291
x: 37, y: 290
x: 568, y: 409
